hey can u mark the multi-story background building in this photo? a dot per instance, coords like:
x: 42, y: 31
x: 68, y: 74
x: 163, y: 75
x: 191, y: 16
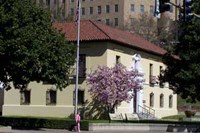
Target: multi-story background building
x: 116, y: 13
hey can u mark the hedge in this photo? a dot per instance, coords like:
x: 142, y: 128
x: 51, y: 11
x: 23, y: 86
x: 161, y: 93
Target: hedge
x: 61, y: 123
x: 28, y: 122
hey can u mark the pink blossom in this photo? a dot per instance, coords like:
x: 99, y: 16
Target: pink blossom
x: 112, y: 85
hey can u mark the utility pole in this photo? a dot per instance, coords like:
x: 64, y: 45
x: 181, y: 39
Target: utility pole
x: 77, y: 53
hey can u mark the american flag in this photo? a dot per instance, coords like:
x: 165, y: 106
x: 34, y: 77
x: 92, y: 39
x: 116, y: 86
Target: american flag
x: 77, y: 11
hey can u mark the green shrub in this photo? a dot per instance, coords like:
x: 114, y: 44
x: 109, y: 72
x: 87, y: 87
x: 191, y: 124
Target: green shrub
x: 27, y: 122
x: 190, y: 113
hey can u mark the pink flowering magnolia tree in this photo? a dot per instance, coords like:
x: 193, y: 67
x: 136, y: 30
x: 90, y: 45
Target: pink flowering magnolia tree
x: 111, y: 86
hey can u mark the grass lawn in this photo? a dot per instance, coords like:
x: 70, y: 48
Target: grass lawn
x: 176, y: 117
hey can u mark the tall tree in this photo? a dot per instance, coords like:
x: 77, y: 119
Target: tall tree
x: 111, y: 86
x: 30, y: 49
x: 160, y: 31
x: 183, y: 62
x: 145, y: 25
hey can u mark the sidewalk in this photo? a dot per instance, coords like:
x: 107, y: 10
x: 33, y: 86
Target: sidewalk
x: 43, y: 130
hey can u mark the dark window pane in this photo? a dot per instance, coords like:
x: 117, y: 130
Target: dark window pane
x: 80, y: 97
x: 82, y: 65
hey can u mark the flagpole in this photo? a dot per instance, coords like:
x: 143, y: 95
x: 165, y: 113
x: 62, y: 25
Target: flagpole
x: 77, y: 56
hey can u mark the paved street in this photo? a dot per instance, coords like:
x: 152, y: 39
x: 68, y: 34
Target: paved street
x: 66, y: 131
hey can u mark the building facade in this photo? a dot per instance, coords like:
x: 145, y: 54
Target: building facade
x: 100, y: 45
x: 1, y: 100
x: 117, y: 13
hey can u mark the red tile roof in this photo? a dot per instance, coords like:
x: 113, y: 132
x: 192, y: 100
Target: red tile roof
x: 97, y: 31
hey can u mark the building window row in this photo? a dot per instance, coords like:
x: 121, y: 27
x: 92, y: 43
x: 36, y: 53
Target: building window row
x: 51, y: 97
x: 151, y: 11
x: 142, y: 9
x: 161, y: 100
x: 48, y: 2
x: 99, y: 10
x: 111, y: 23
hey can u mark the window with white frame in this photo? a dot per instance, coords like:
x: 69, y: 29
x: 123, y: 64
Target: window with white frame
x: 116, y: 7
x: 142, y: 8
x: 132, y: 8
x: 151, y: 101
x: 107, y: 8
x: 161, y: 100
x: 108, y: 21
x: 91, y: 10
x: 116, y: 22
x: 170, y: 101
x: 99, y: 9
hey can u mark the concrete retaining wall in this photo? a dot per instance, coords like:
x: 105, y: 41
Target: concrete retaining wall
x: 143, y: 127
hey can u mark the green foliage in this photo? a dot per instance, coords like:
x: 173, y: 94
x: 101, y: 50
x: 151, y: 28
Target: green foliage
x: 30, y: 49
x: 183, y: 62
x: 29, y: 122
x: 160, y: 32
x: 185, y: 102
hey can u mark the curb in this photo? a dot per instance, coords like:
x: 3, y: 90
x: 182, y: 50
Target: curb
x: 5, y: 129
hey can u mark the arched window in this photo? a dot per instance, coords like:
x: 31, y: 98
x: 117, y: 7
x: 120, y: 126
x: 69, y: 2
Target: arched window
x: 170, y: 101
x: 161, y: 100
x: 151, y: 101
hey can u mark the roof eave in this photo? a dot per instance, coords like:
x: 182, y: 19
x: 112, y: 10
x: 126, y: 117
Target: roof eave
x: 129, y: 45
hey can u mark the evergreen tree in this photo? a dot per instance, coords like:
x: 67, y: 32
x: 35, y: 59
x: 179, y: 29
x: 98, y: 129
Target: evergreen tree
x: 30, y: 49
x: 183, y: 63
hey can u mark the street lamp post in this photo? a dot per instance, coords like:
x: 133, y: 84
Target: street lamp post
x: 77, y: 54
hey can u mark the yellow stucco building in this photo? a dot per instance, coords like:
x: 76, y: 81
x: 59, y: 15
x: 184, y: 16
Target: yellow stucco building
x: 1, y: 100
x: 99, y: 45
